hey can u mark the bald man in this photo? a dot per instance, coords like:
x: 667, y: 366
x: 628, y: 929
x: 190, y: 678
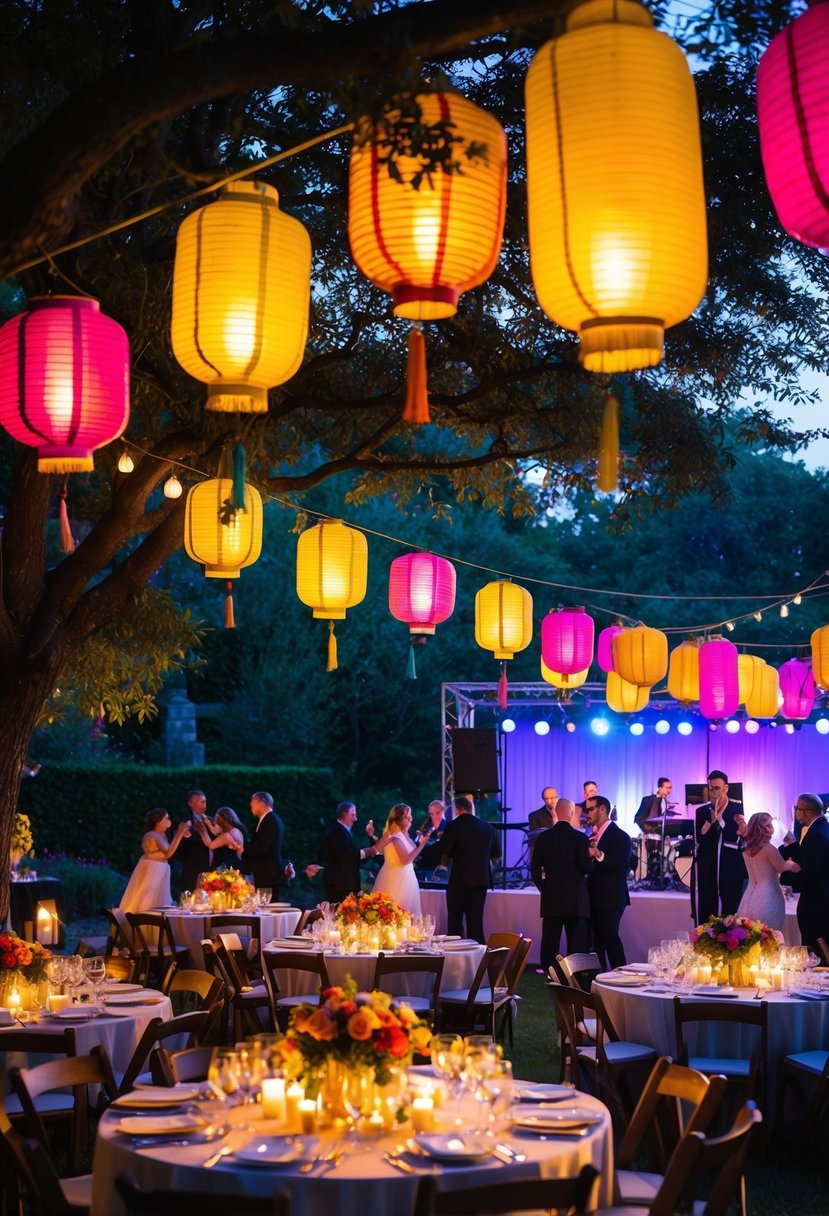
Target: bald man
x: 560, y: 865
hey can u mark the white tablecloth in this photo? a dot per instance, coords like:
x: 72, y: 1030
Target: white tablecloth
x: 363, y: 1182
x: 795, y: 1025
x: 458, y: 972
x: 189, y: 928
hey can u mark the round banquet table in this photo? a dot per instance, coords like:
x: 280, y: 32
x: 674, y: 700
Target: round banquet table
x: 189, y: 928
x: 459, y: 969
x: 795, y: 1024
x: 363, y: 1181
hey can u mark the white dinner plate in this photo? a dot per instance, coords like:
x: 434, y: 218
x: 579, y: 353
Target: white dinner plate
x: 810, y: 994
x: 544, y: 1093
x: 554, y: 1118
x: 453, y: 1147
x: 462, y: 944
x: 619, y: 979
x: 287, y: 943
x: 276, y: 907
x: 447, y: 937
x: 637, y: 969
x: 276, y: 1150
x: 76, y: 1014
x: 117, y: 986
x: 714, y: 990
x: 132, y: 998
x: 157, y: 1098
x: 160, y: 1125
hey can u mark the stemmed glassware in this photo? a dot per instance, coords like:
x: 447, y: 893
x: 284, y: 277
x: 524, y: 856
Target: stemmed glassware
x: 223, y: 1073
x: 447, y: 1052
x: 496, y: 1082
x: 96, y: 972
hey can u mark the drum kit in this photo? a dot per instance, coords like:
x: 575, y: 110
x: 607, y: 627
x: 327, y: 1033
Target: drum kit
x: 664, y: 857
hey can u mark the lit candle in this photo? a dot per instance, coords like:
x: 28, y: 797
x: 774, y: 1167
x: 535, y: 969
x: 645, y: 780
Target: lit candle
x: 777, y: 977
x: 704, y: 973
x: 374, y: 943
x: 58, y: 1001
x: 423, y: 1114
x: 273, y: 1098
x: 293, y: 1096
x: 375, y: 1124
x: 14, y: 1001
x: 307, y: 1116
x: 44, y: 926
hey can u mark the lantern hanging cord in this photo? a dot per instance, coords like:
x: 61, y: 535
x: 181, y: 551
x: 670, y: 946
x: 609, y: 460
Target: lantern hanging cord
x: 239, y: 175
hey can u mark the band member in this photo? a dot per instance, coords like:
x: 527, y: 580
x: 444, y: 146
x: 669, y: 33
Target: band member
x: 720, y: 871
x: 542, y: 819
x: 654, y: 805
x: 590, y: 791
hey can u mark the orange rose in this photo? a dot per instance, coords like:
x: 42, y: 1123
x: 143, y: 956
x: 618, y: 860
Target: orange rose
x: 394, y: 1041
x: 321, y: 1027
x: 362, y: 1024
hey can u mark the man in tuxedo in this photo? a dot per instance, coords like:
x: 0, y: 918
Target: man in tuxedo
x: 543, y: 818
x: 471, y: 845
x: 653, y: 805
x: 609, y: 848
x: 263, y: 853
x: 431, y: 855
x: 720, y: 872
x: 560, y: 864
x: 341, y: 857
x: 193, y: 853
x: 811, y: 852
x: 591, y: 790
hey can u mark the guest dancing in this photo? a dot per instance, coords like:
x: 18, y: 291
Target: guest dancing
x: 812, y: 852
x: 397, y: 878
x: 607, y: 882
x: 262, y: 856
x: 763, y: 897
x: 227, y: 844
x: 149, y: 883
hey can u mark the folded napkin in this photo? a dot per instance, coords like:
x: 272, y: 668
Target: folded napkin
x: 811, y: 994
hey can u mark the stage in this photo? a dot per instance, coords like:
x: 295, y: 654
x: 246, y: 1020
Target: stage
x: 652, y: 916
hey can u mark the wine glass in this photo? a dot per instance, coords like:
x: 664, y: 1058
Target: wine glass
x: 497, y: 1081
x: 250, y: 1070
x: 223, y: 1073
x: 446, y: 1051
x: 96, y: 972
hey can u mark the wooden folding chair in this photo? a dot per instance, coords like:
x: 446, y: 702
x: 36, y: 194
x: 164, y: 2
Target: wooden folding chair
x: 153, y: 939
x: 466, y: 1009
x: 276, y: 963
x: 428, y: 965
x: 138, y: 1202
x: 191, y: 1025
x: 568, y: 1196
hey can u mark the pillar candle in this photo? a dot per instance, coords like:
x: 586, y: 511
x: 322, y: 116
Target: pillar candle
x: 704, y: 973
x: 293, y: 1096
x: 777, y: 977
x: 58, y: 1001
x: 14, y: 1001
x: 307, y: 1116
x: 273, y: 1098
x: 423, y: 1114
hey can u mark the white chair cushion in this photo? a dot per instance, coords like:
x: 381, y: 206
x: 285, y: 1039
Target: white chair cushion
x: 728, y: 1067
x: 78, y: 1191
x: 420, y: 1004
x: 620, y: 1053
x: 637, y: 1186
x: 459, y: 996
x: 46, y: 1104
x: 308, y: 998
x: 809, y: 1061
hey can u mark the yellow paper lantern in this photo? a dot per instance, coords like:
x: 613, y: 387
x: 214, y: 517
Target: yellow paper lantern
x: 764, y: 701
x: 331, y: 569
x: 625, y: 698
x: 224, y: 541
x: 616, y: 205
x: 820, y: 657
x: 241, y: 291
x: 748, y: 669
x: 503, y: 618
x: 563, y: 681
x: 640, y: 655
x: 683, y: 673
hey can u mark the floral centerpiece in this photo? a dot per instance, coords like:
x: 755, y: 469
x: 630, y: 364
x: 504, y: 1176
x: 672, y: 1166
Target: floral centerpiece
x: 21, y: 840
x: 227, y: 888
x: 371, y: 919
x: 731, y: 943
x: 21, y: 964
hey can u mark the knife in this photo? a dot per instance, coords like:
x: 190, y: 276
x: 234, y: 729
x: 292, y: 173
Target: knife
x: 399, y: 1163
x: 216, y: 1157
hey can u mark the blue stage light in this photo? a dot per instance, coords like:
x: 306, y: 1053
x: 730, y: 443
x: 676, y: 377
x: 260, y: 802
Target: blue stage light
x: 507, y: 726
x: 599, y: 726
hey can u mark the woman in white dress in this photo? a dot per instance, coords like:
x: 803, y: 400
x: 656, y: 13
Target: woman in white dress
x: 397, y: 878
x: 149, y: 884
x: 763, y: 897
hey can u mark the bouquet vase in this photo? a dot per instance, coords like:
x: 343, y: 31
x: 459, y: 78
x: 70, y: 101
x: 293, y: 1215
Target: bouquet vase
x: 346, y: 1092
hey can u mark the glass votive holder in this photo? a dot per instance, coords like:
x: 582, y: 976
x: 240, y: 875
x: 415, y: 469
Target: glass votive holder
x: 273, y: 1098
x: 307, y: 1116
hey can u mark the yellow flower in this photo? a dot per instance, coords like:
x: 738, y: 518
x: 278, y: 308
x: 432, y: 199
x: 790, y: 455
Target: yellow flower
x: 420, y: 1037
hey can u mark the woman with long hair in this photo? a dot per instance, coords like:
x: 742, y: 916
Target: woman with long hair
x: 225, y: 837
x: 149, y: 884
x: 763, y: 897
x: 397, y: 878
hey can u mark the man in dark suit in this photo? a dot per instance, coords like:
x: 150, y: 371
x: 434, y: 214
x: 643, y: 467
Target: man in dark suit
x: 590, y: 791
x: 193, y: 853
x: 437, y: 821
x: 811, y: 852
x: 720, y: 872
x: 341, y: 857
x: 538, y: 821
x: 653, y: 805
x: 470, y: 844
x: 560, y: 864
x: 607, y: 882
x: 262, y: 856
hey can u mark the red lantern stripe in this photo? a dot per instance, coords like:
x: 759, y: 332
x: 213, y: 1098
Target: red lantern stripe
x: 376, y: 216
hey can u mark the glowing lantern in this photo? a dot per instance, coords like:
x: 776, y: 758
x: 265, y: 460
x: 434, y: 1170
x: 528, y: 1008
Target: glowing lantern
x: 567, y: 640
x: 640, y: 655
x: 820, y: 657
x: 421, y: 591
x: 426, y: 237
x: 559, y: 680
x: 797, y: 687
x: 749, y: 667
x: 241, y: 290
x: 503, y: 624
x: 331, y: 573
x: 793, y: 113
x: 625, y: 698
x: 683, y: 673
x: 765, y: 694
x: 719, y: 685
x: 223, y: 540
x: 604, y: 646
x: 64, y: 381
x: 616, y: 204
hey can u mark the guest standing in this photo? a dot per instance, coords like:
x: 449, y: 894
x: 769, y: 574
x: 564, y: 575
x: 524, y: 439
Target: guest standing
x: 471, y: 845
x: 263, y: 853
x: 341, y: 856
x: 224, y: 838
x: 720, y: 872
x: 193, y: 853
x: 436, y: 824
x: 607, y: 883
x: 811, y: 851
x: 763, y: 897
x: 149, y: 883
x: 653, y: 805
x: 560, y: 865
x: 397, y: 878
x: 538, y: 821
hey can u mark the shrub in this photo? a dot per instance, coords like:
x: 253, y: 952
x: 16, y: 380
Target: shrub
x: 88, y: 886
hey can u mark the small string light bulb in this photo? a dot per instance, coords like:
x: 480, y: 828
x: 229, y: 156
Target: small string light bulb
x: 125, y: 463
x: 758, y: 616
x: 172, y: 487
x: 784, y: 610
x: 798, y: 599
x: 729, y: 626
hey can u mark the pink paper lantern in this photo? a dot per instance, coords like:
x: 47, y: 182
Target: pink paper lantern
x: 797, y: 687
x: 421, y: 591
x: 604, y: 647
x: 64, y: 381
x: 567, y: 640
x: 793, y: 111
x: 719, y: 681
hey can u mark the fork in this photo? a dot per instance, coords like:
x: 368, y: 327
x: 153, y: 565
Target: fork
x: 328, y: 1159
x: 331, y: 1161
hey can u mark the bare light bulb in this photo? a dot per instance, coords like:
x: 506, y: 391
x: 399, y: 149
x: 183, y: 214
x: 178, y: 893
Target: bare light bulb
x: 125, y: 463
x: 172, y: 487
x: 784, y: 610
x: 798, y: 599
x: 729, y: 626
x: 758, y: 616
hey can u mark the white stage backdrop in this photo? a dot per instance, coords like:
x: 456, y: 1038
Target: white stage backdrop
x: 773, y: 766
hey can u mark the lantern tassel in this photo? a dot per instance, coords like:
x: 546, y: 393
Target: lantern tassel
x: 608, y: 473
x: 67, y: 540
x: 238, y: 476
x: 411, y: 670
x: 332, y: 664
x: 502, y: 687
x: 230, y: 617
x: 416, y: 409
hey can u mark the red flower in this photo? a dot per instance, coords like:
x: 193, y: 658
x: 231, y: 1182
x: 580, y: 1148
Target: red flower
x: 392, y: 1040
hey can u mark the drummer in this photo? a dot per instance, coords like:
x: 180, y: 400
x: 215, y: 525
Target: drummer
x: 653, y: 806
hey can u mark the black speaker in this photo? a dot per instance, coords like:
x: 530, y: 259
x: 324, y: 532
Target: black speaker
x: 475, y: 761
